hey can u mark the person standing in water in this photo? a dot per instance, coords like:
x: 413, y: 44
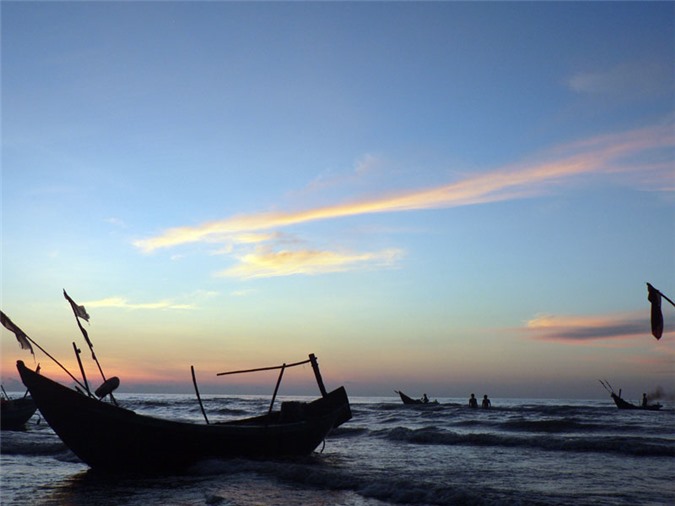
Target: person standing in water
x: 486, y: 402
x: 473, y: 402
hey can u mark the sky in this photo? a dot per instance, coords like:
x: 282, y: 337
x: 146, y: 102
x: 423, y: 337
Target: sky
x: 431, y: 197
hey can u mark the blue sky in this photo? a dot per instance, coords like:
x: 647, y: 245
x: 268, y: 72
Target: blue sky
x: 439, y: 197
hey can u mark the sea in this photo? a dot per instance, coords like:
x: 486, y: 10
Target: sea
x: 519, y: 452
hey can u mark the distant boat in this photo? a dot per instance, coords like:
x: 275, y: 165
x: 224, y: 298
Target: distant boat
x: 14, y: 413
x: 623, y: 404
x: 410, y: 400
x: 111, y: 438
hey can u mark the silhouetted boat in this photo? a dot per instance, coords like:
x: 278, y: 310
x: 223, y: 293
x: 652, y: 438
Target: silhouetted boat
x: 14, y: 413
x: 623, y: 404
x: 111, y: 438
x: 410, y: 400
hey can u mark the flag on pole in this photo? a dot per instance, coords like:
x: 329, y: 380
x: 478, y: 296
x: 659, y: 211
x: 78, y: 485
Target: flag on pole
x: 654, y: 296
x: 79, y: 311
x: 20, y: 334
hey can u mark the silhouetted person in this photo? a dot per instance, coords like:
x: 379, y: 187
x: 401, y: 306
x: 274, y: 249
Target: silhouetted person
x: 425, y: 399
x: 486, y: 402
x: 644, y: 400
x: 473, y: 402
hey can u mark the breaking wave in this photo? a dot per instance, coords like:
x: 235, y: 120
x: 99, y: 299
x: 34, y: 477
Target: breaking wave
x: 652, y: 447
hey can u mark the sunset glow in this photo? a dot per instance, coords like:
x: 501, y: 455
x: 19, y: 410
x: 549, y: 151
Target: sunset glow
x: 442, y: 202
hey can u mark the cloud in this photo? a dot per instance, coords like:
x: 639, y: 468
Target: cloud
x: 228, y: 243
x: 366, y: 164
x: 120, y: 302
x: 638, y: 158
x: 587, y: 328
x: 265, y: 263
x: 243, y: 293
x: 116, y: 222
x: 630, y: 79
x: 363, y: 167
x: 622, y: 154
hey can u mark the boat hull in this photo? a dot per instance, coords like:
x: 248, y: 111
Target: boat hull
x: 14, y: 413
x: 622, y: 404
x: 112, y: 438
x: 409, y: 400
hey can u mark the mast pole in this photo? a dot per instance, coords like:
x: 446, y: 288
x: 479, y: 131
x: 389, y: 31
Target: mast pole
x: 194, y: 382
x: 317, y: 373
x: 79, y: 362
x: 276, y: 388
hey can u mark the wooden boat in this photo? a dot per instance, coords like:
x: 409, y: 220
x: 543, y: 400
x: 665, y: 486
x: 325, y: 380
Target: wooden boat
x: 623, y: 404
x: 110, y: 438
x: 410, y: 400
x: 14, y: 413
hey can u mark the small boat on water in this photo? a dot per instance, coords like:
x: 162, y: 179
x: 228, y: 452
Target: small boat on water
x: 624, y: 404
x: 409, y: 400
x: 114, y: 439
x: 14, y: 413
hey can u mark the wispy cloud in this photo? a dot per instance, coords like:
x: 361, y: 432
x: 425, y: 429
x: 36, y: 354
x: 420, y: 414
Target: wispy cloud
x: 636, y: 158
x: 121, y: 302
x: 243, y: 293
x: 363, y: 167
x: 267, y: 263
x: 632, y: 80
x: 116, y: 222
x: 571, y: 329
x: 611, y: 154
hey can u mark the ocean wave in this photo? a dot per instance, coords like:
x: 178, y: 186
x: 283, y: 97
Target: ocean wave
x: 31, y: 444
x: 635, y: 446
x: 550, y: 425
x: 569, y: 424
x: 318, y: 474
x: 343, y: 431
x: 228, y: 412
x: 155, y: 403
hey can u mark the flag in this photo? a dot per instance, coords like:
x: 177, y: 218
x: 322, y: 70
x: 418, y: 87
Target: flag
x: 654, y: 297
x: 20, y: 334
x: 79, y: 311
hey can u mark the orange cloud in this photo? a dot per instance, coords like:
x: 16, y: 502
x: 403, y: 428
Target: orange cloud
x: 602, y: 155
